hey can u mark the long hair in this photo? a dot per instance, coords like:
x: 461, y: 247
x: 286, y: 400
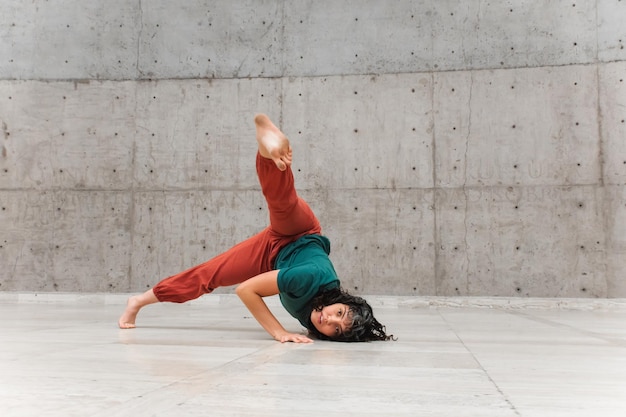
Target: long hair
x: 364, y: 328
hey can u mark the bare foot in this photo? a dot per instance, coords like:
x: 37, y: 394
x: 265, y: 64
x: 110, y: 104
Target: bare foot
x: 127, y: 320
x: 273, y: 144
x: 134, y: 304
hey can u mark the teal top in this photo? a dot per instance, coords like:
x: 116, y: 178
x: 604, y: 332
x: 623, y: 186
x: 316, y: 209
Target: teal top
x: 304, y: 270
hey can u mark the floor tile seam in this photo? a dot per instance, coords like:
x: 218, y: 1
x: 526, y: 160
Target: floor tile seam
x: 503, y: 395
x: 193, y: 385
x: 596, y: 335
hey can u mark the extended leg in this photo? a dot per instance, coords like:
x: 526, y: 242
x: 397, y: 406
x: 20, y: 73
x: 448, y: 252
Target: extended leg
x: 290, y: 216
x: 241, y: 262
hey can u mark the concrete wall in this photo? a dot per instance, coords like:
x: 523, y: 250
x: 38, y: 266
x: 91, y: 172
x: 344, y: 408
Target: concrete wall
x: 448, y: 147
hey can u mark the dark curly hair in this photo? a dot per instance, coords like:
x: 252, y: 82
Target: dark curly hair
x: 364, y: 328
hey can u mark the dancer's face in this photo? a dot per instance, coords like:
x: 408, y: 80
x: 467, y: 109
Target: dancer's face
x: 332, y: 320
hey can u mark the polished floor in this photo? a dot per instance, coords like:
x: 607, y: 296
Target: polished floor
x: 62, y: 355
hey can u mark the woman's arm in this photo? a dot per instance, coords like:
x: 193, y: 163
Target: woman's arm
x: 252, y: 292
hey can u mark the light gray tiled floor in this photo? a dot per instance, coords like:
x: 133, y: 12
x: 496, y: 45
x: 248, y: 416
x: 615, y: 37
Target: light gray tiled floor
x: 212, y: 359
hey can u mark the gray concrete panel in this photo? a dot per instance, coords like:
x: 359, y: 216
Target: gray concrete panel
x: 612, y: 93
x: 66, y: 134
x: 512, y: 34
x: 356, y: 37
x: 188, y: 135
x: 90, y: 241
x: 65, y: 241
x: 611, y: 30
x: 26, y: 240
x: 361, y: 131
x: 69, y: 39
x: 517, y: 127
x: 210, y: 39
x: 521, y: 241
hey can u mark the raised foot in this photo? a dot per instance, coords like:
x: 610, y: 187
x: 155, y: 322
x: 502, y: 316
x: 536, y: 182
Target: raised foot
x: 273, y: 144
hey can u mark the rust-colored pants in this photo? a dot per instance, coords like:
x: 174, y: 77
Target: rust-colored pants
x: 290, y: 219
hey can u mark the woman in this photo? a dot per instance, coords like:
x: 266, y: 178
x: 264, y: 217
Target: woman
x: 289, y: 258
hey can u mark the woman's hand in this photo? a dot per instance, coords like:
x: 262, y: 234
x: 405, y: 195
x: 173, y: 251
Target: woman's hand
x: 293, y: 337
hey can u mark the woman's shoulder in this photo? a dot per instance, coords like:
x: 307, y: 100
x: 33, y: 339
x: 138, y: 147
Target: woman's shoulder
x: 306, y: 245
x: 319, y: 240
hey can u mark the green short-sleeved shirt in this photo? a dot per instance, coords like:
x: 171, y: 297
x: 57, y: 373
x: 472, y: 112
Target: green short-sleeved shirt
x: 304, y: 270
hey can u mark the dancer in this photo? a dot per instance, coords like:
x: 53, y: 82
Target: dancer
x: 289, y: 258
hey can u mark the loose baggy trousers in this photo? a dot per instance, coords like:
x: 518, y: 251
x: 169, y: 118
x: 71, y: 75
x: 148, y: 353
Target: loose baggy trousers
x: 290, y: 219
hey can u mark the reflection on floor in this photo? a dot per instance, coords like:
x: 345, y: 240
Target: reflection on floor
x: 62, y: 355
